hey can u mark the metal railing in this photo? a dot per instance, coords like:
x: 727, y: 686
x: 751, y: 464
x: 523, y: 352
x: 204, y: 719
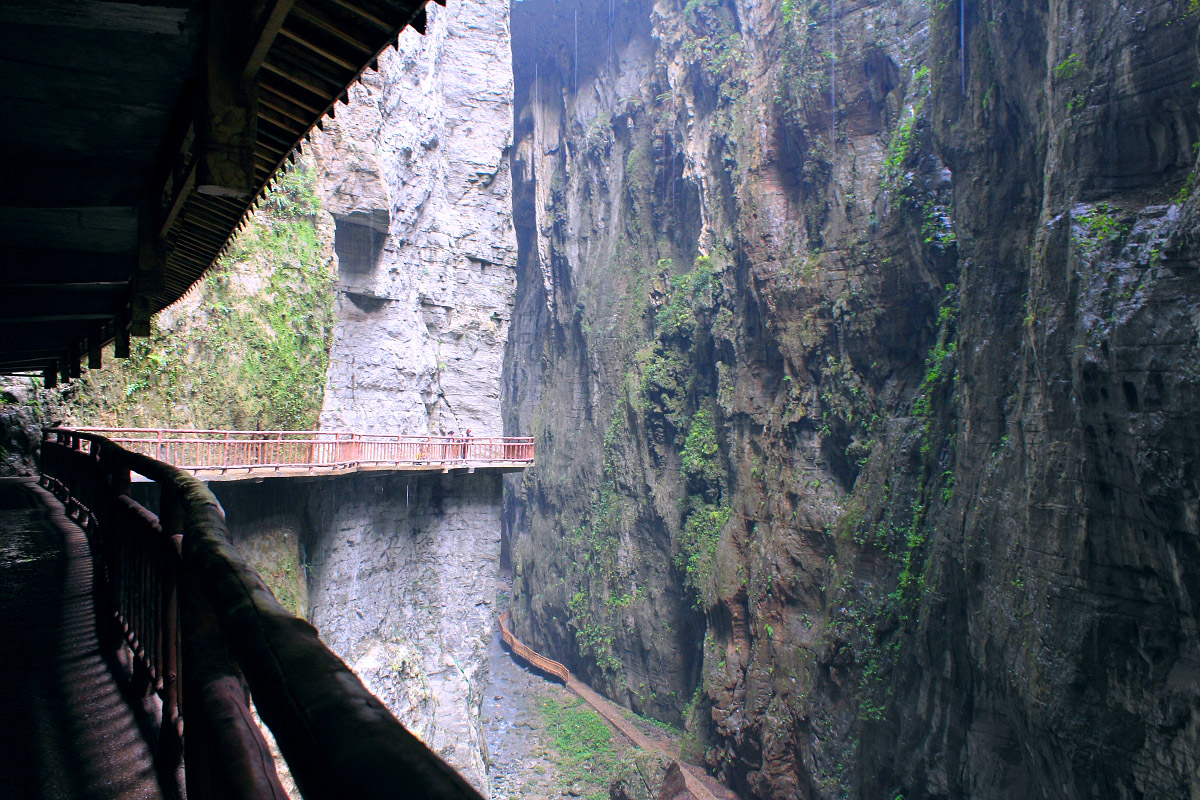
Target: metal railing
x: 197, y: 450
x: 205, y: 634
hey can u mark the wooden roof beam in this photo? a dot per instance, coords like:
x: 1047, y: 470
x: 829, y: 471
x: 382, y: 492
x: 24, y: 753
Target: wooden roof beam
x: 295, y: 76
x: 286, y: 102
x: 331, y: 26
x: 29, y: 364
x: 40, y: 305
x: 358, y: 11
x: 266, y: 37
x: 55, y: 180
x: 42, y: 354
x: 28, y: 266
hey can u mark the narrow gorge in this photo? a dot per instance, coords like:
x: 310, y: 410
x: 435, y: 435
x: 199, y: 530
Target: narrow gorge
x: 859, y: 343
x: 860, y: 346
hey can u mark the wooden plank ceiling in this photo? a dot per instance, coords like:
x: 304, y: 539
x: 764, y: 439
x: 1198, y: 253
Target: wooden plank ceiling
x: 140, y: 133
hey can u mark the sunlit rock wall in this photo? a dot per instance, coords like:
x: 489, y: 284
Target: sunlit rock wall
x: 415, y: 175
x: 414, y: 172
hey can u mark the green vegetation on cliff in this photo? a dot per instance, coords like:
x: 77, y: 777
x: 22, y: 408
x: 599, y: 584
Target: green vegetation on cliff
x: 248, y: 348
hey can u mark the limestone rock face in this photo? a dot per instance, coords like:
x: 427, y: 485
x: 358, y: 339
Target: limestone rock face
x: 859, y: 341
x: 399, y: 572
x: 402, y: 575
x: 415, y: 175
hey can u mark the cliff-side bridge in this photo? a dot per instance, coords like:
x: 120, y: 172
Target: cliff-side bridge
x: 213, y: 455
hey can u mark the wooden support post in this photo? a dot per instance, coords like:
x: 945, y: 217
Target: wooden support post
x: 95, y: 337
x: 121, y: 334
x: 152, y: 255
x: 50, y: 376
x: 140, y: 312
x: 75, y: 370
x: 227, y: 123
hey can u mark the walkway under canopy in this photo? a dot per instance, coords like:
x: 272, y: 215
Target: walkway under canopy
x: 67, y: 732
x: 101, y: 587
x: 139, y: 135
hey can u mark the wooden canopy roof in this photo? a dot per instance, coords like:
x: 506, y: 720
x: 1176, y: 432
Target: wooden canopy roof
x: 140, y: 132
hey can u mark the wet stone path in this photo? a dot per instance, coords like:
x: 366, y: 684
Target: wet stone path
x: 67, y: 733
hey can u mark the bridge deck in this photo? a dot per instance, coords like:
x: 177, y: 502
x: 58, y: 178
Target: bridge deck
x: 239, y: 455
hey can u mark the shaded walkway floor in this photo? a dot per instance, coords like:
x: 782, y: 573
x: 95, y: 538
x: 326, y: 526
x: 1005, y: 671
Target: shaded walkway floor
x: 66, y: 732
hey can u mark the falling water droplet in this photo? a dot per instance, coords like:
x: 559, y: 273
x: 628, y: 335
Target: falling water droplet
x: 962, y: 43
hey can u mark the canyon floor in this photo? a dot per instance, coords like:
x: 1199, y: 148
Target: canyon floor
x: 544, y: 742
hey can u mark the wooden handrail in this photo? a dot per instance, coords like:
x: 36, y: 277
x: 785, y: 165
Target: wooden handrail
x: 179, y: 595
x: 534, y: 659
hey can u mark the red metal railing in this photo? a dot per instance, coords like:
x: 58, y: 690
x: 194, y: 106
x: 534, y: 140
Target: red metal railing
x: 196, y: 450
x: 204, y: 632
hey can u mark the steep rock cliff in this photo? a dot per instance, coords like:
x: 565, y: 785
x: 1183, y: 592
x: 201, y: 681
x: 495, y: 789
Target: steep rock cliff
x: 414, y: 172
x: 859, y: 344
x: 392, y: 570
x: 415, y: 175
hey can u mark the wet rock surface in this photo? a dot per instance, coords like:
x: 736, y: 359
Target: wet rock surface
x: 859, y: 343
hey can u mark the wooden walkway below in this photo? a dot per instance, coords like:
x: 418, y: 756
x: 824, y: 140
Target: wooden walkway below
x: 701, y: 785
x: 213, y: 455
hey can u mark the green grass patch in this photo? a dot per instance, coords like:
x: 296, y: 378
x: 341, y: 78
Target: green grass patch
x: 582, y: 742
